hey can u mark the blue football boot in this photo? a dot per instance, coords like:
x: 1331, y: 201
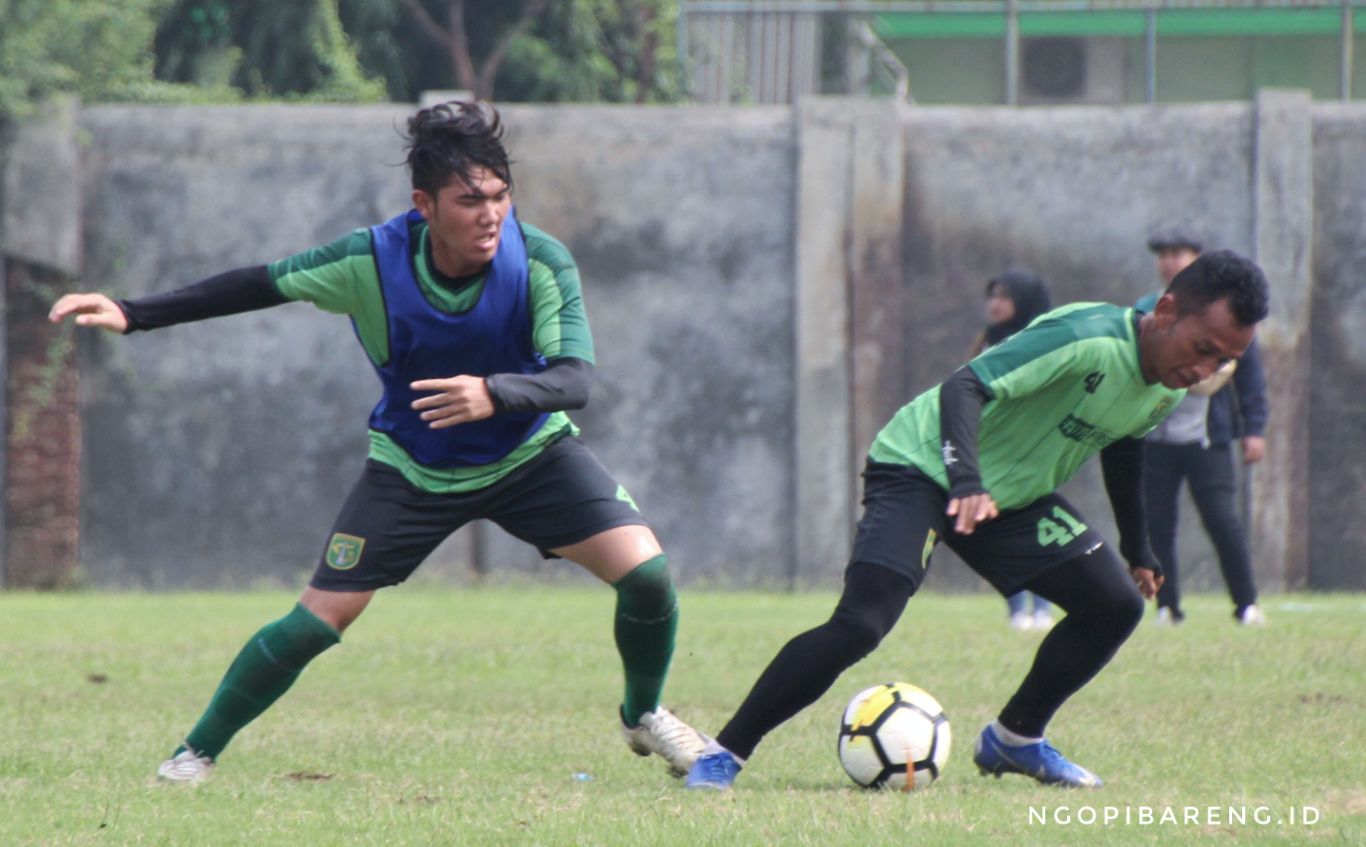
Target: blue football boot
x: 1039, y: 760
x: 715, y: 771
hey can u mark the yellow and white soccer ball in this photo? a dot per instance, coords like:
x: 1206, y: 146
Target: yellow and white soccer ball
x: 895, y: 736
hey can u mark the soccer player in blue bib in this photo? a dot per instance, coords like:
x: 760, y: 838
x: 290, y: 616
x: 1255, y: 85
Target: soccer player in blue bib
x: 474, y: 322
x: 975, y: 463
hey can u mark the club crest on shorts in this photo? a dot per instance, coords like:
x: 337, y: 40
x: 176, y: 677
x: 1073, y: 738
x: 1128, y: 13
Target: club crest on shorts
x: 343, y: 551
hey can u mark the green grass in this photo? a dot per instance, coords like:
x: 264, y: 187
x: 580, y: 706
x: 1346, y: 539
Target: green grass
x: 463, y: 717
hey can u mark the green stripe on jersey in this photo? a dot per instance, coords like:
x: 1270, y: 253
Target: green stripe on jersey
x: 340, y: 278
x: 461, y: 480
x: 1062, y: 388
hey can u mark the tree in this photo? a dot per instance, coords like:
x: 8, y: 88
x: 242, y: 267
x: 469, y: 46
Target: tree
x: 494, y: 35
x: 262, y: 47
x: 81, y: 46
x: 555, y: 50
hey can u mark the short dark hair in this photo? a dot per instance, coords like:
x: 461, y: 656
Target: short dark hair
x: 1218, y: 275
x: 450, y: 139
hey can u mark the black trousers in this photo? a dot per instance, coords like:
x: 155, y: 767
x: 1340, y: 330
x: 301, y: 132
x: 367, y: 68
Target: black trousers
x: 1209, y: 473
x: 1103, y: 607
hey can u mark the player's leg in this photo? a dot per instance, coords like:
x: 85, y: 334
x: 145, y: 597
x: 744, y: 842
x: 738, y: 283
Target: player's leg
x: 902, y: 519
x: 1213, y: 488
x: 1048, y: 549
x: 804, y: 669
x: 568, y: 505
x: 1043, y: 613
x: 1017, y: 607
x: 1103, y: 606
x: 364, y: 552
x: 1163, y: 469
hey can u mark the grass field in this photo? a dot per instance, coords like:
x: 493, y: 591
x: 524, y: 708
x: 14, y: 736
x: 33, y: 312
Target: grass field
x: 486, y: 717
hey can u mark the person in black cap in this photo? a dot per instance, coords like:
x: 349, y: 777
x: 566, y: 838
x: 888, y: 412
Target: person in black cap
x: 1175, y: 247
x: 1194, y: 445
x: 1014, y: 299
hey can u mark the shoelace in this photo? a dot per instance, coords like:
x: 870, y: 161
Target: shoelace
x: 715, y: 765
x: 670, y: 729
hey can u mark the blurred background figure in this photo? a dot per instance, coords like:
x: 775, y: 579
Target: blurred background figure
x: 1015, y: 298
x: 1195, y: 445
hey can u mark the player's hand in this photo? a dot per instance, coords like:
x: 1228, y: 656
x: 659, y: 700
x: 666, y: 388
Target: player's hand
x: 94, y: 310
x: 1254, y: 449
x: 453, y: 401
x: 1148, y: 582
x: 970, y: 511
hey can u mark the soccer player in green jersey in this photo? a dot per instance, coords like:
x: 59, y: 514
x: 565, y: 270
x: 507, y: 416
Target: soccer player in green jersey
x: 475, y: 324
x: 975, y: 463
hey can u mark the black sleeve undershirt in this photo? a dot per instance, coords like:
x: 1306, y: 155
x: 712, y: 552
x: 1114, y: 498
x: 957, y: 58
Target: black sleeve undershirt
x: 230, y: 293
x: 1121, y: 465
x: 564, y: 384
x: 961, y: 398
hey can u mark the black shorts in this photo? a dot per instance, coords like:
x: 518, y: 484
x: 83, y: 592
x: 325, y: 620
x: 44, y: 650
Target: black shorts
x: 903, y: 519
x: 388, y: 526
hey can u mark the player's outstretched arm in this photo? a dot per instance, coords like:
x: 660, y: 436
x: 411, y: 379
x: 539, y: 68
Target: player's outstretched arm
x: 93, y: 310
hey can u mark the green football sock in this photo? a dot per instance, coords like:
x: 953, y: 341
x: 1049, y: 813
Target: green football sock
x: 646, y: 622
x: 266, y: 667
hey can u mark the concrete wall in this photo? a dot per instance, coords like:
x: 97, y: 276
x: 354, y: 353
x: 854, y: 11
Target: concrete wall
x: 765, y: 286
x: 1337, y: 378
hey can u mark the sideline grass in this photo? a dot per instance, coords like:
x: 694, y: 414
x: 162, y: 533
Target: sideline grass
x: 472, y: 716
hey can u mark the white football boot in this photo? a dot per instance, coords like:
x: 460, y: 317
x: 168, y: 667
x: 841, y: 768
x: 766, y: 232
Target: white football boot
x: 187, y: 767
x: 662, y: 733
x: 1251, y: 616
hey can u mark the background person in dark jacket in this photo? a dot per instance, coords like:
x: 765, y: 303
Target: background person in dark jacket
x: 1195, y: 445
x: 1015, y: 298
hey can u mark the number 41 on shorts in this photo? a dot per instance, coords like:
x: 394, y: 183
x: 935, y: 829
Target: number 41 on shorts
x: 1059, y: 531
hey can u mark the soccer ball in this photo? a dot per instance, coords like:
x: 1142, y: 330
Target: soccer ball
x: 894, y: 736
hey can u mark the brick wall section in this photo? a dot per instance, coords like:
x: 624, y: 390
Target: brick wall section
x: 42, y: 473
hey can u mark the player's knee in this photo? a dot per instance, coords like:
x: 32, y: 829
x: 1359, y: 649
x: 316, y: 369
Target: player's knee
x: 1126, y: 611
x: 648, y: 590
x: 858, y: 635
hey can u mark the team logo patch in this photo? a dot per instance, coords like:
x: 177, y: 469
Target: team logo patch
x: 343, y: 551
x: 930, y: 540
x: 626, y: 498
x: 1160, y: 410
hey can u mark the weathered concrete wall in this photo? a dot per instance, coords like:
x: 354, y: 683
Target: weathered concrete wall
x: 1337, y: 378
x: 765, y: 286
x: 681, y: 221
x: 40, y: 254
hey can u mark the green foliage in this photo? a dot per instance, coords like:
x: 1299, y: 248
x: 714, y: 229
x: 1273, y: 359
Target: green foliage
x: 388, y: 45
x: 464, y: 717
x: 616, y: 51
x: 96, y: 49
x: 264, y: 48
x: 188, y: 51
